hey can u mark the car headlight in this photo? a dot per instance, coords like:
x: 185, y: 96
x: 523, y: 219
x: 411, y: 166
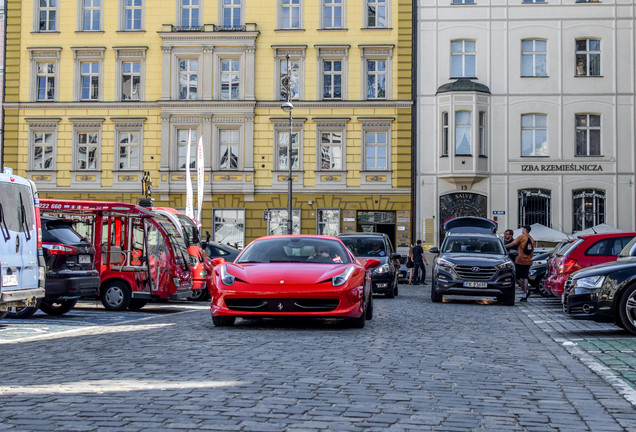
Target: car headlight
x: 447, y: 266
x: 382, y: 269
x: 445, y: 263
x: 343, y: 277
x: 226, y: 277
x: 505, y: 265
x: 587, y: 284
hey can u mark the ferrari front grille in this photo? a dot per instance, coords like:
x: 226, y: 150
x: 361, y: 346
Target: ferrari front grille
x: 281, y: 305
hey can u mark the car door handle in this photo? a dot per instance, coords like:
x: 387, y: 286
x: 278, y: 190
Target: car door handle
x: 17, y: 244
x: 11, y: 270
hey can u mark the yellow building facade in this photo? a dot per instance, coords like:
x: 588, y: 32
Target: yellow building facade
x: 100, y: 93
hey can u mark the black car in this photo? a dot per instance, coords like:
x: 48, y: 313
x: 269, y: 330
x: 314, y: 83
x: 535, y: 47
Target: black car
x: 605, y: 293
x: 376, y: 245
x: 70, y: 269
x: 218, y: 250
x: 538, y: 269
x: 472, y: 260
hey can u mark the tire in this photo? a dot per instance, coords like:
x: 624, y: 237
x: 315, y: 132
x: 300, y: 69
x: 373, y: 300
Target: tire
x: 360, y: 321
x: 369, y: 314
x: 223, y: 321
x: 201, y: 295
x: 57, y: 307
x: 136, y: 304
x: 435, y: 296
x: 541, y: 289
x: 627, y: 309
x: 509, y: 300
x: 115, y: 296
x: 390, y: 293
x: 23, y: 312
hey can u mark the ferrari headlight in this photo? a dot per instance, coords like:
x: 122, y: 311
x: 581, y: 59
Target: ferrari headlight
x: 382, y: 269
x: 343, y: 277
x: 505, y: 265
x: 587, y: 284
x: 226, y: 277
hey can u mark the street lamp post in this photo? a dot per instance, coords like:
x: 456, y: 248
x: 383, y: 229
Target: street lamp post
x: 288, y: 107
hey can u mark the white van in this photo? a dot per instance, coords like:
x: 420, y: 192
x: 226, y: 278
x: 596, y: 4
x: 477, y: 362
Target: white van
x: 21, y: 259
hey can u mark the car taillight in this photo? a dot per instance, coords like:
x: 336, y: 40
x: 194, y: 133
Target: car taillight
x: 567, y: 265
x: 59, y: 249
x: 38, y: 223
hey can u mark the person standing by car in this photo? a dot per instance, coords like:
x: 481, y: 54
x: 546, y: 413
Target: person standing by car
x: 525, y: 247
x: 509, y: 238
x: 409, y: 264
x: 418, y: 264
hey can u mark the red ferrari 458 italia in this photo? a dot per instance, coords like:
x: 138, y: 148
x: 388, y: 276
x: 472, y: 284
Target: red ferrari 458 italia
x: 293, y: 276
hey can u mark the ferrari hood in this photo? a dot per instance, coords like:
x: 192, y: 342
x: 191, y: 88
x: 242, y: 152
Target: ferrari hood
x: 287, y: 273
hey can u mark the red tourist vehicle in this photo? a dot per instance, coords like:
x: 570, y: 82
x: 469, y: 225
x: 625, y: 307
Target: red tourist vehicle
x: 200, y: 263
x: 140, y: 254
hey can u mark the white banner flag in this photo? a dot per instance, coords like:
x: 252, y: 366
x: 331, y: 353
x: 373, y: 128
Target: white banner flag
x: 200, y: 179
x: 189, y: 211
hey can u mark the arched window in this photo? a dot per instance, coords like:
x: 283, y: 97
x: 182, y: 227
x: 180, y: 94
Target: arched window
x: 588, y: 208
x: 535, y: 206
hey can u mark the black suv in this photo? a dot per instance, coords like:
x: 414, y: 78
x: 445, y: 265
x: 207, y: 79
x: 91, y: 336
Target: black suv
x: 472, y: 261
x: 70, y: 269
x: 376, y: 245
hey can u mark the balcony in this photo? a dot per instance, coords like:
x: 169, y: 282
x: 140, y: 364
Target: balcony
x: 207, y: 28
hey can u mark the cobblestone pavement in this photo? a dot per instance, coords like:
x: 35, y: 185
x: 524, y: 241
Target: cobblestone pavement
x: 458, y: 366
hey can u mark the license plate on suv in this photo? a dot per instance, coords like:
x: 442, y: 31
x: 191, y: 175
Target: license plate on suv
x: 476, y: 284
x: 84, y: 259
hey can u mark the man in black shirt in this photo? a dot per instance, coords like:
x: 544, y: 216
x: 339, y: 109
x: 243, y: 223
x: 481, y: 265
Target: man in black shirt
x: 418, y: 263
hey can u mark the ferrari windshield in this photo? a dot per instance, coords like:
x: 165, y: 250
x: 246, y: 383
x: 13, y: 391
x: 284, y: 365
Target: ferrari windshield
x: 473, y: 245
x: 294, y: 249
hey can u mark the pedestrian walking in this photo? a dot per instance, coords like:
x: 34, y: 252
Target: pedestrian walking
x: 418, y: 264
x: 525, y: 248
x: 409, y: 264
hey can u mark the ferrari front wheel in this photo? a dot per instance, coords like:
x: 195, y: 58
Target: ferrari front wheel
x: 361, y: 320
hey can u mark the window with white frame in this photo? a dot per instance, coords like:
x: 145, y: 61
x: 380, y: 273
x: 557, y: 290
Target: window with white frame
x: 89, y: 80
x: 332, y: 79
x: 533, y: 58
x: 588, y: 208
x: 290, y: 14
x: 188, y: 79
x: 328, y: 222
x: 296, y: 62
x: 90, y: 15
x: 185, y: 136
x: 376, y: 64
x: 376, y: 79
x: 128, y: 144
x: 482, y: 133
x: 588, y: 134
x: 45, y: 17
x: 376, y: 13
x: 45, y: 65
x: 588, y: 57
x: 189, y: 11
x: 376, y: 150
x: 332, y: 71
x: 277, y: 222
x: 228, y: 227
x: 534, y: 135
x: 332, y: 14
x: 229, y: 143
x: 88, y: 67
x: 281, y: 145
x: 463, y: 132
x: 46, y: 77
x: 130, y: 69
x: 463, y: 59
x: 43, y: 149
x: 87, y: 148
x: 231, y: 13
x: 331, y: 150
x: 230, y: 79
x: 445, y: 133
x: 132, y: 15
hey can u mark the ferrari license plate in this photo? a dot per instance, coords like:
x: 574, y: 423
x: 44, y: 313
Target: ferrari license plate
x: 9, y: 280
x: 84, y: 259
x: 476, y: 284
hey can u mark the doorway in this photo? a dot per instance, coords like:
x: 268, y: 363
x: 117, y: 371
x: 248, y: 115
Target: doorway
x: 377, y: 221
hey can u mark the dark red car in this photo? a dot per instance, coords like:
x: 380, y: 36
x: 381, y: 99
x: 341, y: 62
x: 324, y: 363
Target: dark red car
x: 585, y: 251
x: 293, y: 276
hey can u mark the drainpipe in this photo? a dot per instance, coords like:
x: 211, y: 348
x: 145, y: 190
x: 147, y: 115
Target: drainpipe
x: 414, y: 52
x: 4, y: 84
